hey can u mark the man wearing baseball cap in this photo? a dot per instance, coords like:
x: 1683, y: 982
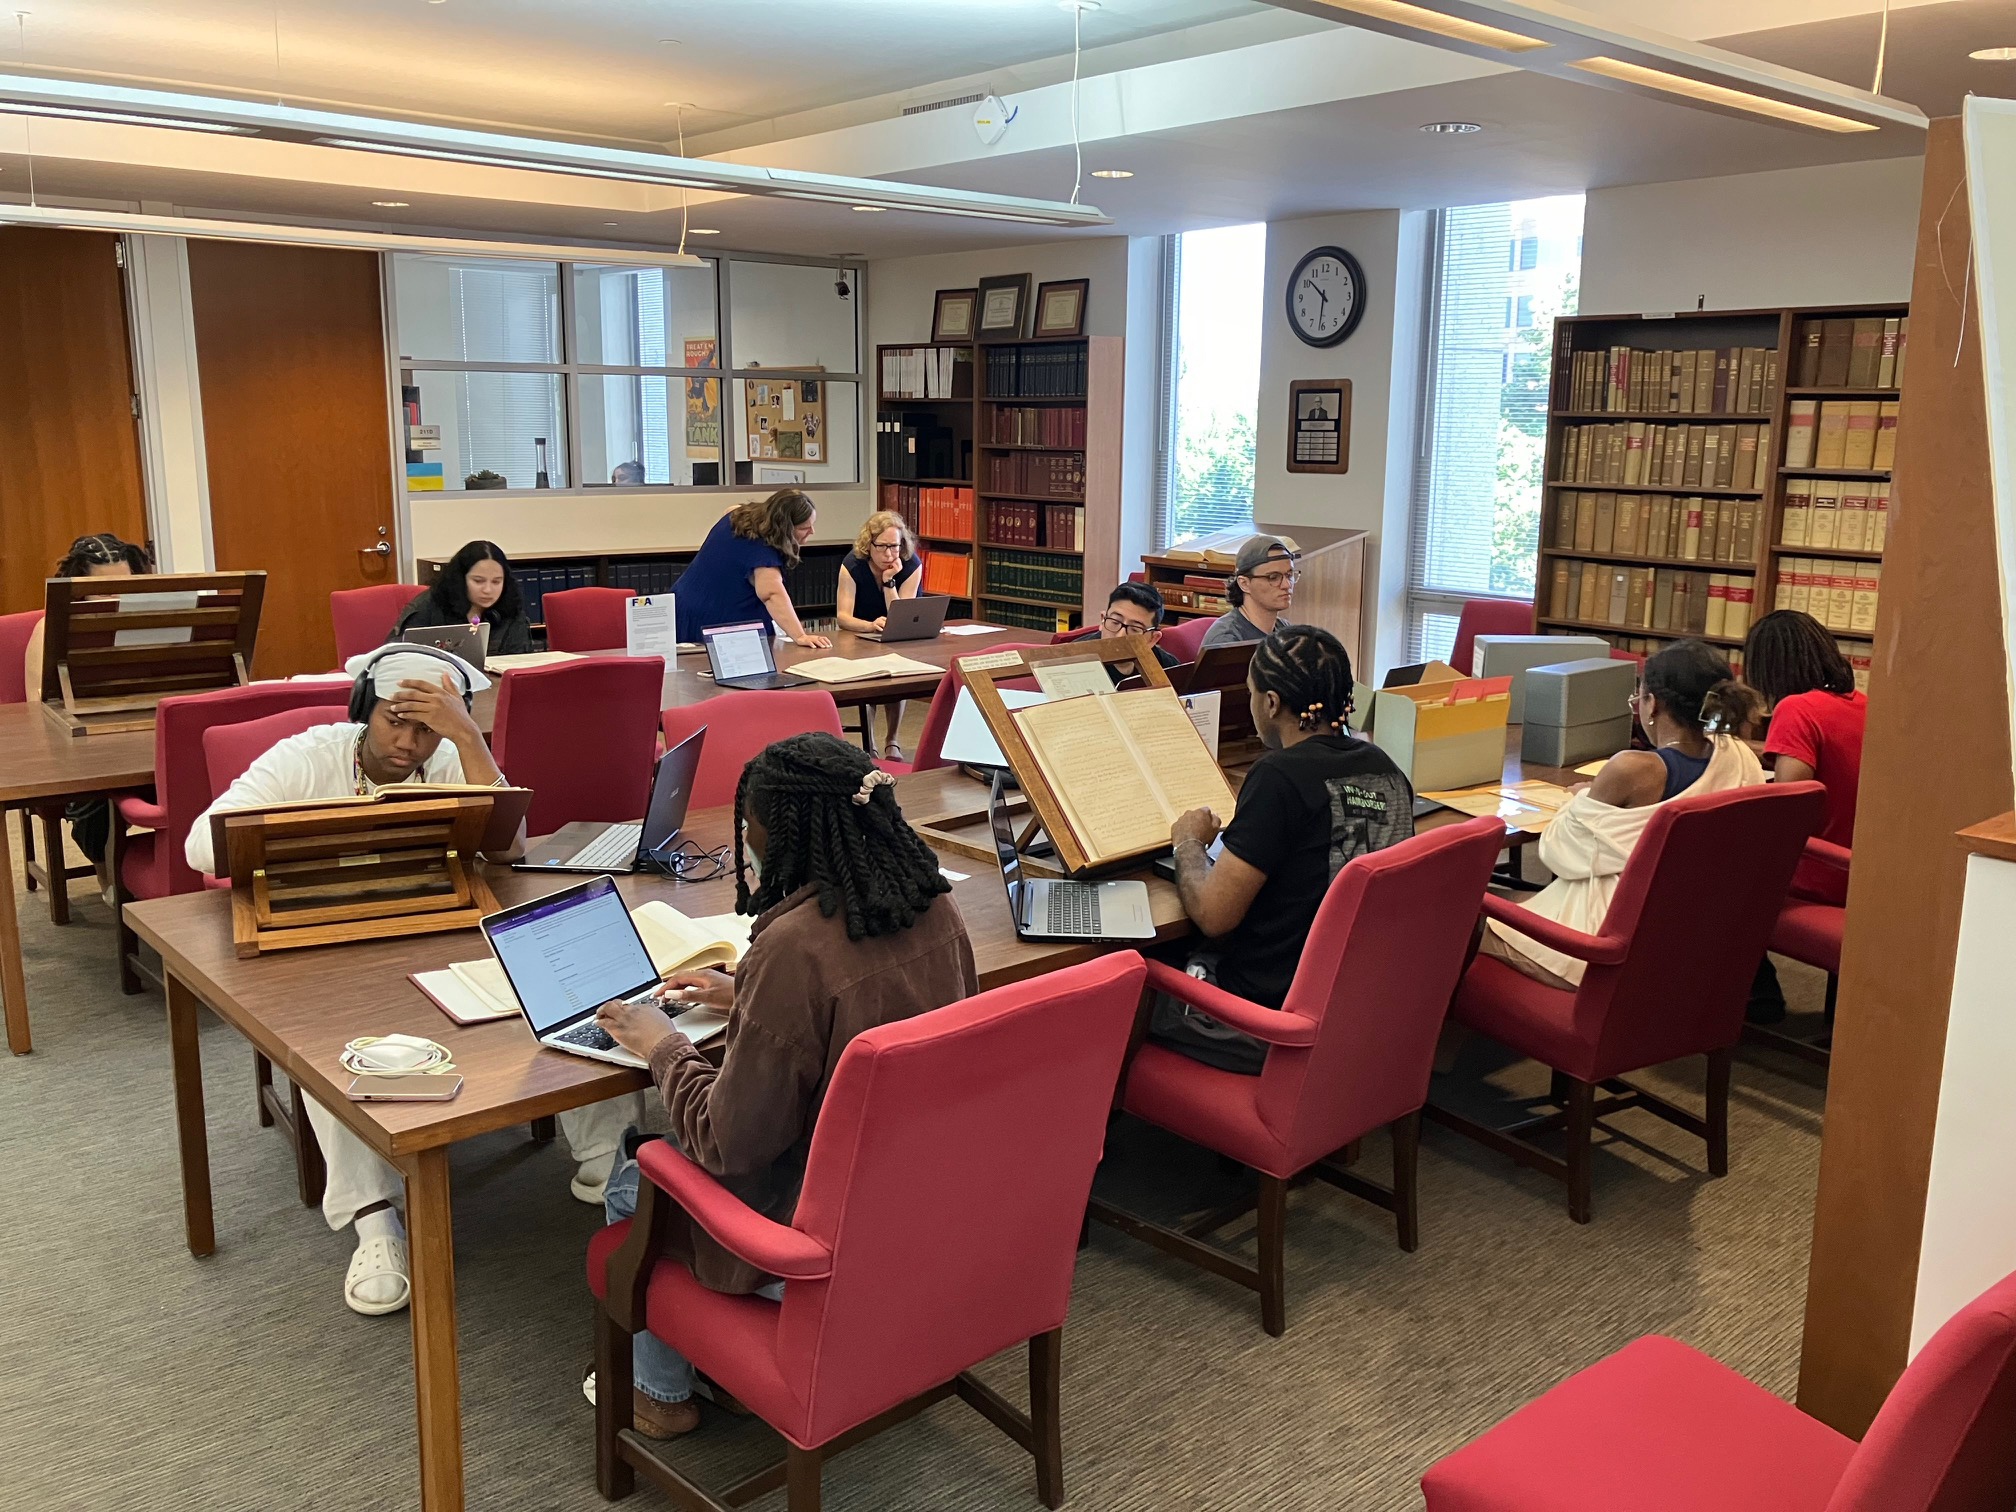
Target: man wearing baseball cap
x: 1261, y: 588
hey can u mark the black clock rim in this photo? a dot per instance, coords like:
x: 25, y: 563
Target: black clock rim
x: 1351, y: 266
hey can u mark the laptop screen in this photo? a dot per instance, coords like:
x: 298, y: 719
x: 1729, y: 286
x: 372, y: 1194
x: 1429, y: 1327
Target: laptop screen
x: 671, y: 789
x: 739, y: 650
x: 1004, y: 839
x: 568, y: 954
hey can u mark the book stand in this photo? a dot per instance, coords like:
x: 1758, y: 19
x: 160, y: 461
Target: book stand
x: 112, y: 649
x: 362, y: 871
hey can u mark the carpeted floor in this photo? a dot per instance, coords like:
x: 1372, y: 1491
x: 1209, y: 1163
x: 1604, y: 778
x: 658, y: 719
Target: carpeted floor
x: 137, y: 1377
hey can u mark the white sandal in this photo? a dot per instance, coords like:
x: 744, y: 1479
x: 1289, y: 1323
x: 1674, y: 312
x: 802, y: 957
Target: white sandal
x: 375, y: 1258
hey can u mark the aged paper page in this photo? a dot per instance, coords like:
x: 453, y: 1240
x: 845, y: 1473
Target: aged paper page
x: 1082, y: 756
x: 1180, y: 770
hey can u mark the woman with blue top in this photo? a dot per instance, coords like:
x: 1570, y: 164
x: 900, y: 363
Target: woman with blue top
x: 738, y: 574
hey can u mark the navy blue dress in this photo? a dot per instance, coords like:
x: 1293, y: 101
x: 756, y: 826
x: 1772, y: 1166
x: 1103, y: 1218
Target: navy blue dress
x: 715, y: 589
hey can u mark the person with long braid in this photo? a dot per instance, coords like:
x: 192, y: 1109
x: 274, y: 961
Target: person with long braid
x: 854, y: 928
x: 1317, y: 797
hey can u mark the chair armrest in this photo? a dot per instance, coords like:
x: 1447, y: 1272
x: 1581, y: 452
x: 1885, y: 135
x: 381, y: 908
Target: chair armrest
x: 1597, y: 950
x: 1827, y: 852
x: 733, y: 1224
x: 140, y: 812
x: 1271, y: 1026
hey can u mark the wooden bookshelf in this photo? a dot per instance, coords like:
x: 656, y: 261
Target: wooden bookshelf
x: 1083, y: 573
x: 1587, y: 392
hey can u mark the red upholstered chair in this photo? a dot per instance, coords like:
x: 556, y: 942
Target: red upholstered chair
x: 151, y: 865
x: 1185, y: 639
x: 15, y: 632
x: 938, y: 1225
x: 938, y: 717
x: 1083, y: 633
x: 1350, y: 1050
x: 363, y: 617
x: 1809, y: 931
x: 1668, y: 976
x: 585, y: 619
x: 741, y: 724
x: 1658, y: 1427
x: 1487, y: 616
x: 582, y: 735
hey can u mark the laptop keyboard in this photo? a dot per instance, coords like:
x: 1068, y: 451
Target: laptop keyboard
x: 1074, y: 908
x: 615, y: 846
x: 589, y: 1035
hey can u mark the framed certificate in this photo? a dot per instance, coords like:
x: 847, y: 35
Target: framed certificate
x: 1319, y: 425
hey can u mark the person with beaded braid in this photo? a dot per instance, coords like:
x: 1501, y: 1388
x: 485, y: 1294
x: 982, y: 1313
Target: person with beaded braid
x: 855, y: 927
x: 1317, y: 797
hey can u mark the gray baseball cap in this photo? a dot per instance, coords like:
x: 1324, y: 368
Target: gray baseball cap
x: 1261, y: 549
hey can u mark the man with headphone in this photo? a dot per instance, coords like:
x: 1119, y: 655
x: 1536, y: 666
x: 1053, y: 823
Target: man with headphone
x: 409, y: 721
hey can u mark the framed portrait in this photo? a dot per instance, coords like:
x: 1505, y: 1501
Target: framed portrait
x: 1319, y: 425
x: 1060, y: 307
x: 952, y: 314
x: 1003, y: 308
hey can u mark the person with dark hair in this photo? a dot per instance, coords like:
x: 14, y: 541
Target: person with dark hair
x: 1816, y: 728
x: 1261, y: 589
x: 1693, y: 711
x: 627, y: 474
x: 476, y: 586
x: 1134, y: 609
x: 854, y: 928
x: 737, y: 576
x: 1317, y: 797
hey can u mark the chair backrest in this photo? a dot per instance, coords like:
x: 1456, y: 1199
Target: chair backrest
x: 1377, y: 971
x: 1945, y: 1440
x: 1084, y: 633
x: 739, y: 725
x: 948, y: 1173
x: 929, y: 754
x: 581, y: 735
x: 1185, y: 640
x: 15, y: 632
x: 1697, y: 899
x: 1487, y: 617
x: 584, y: 619
x: 181, y: 771
x: 363, y: 617
x: 229, y: 750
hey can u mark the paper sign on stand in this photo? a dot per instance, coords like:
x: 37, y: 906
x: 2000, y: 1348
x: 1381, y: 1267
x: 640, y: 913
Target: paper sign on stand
x: 1062, y: 679
x: 650, y: 626
x: 1203, y: 711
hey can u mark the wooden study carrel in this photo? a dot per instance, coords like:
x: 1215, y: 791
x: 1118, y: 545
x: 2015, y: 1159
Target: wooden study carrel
x: 1106, y: 772
x: 113, y: 648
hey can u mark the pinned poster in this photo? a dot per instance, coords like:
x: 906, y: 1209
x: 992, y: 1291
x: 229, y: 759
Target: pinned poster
x: 1203, y: 711
x: 650, y: 626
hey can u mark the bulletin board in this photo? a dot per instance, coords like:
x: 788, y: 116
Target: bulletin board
x: 785, y: 419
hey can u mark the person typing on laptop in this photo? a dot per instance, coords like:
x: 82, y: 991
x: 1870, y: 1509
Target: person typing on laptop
x: 883, y: 565
x: 1317, y: 797
x: 409, y: 721
x: 854, y: 928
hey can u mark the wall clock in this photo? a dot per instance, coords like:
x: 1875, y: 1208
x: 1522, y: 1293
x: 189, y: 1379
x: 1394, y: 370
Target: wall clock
x: 1326, y: 296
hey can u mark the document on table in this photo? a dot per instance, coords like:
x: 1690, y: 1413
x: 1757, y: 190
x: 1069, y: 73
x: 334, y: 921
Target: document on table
x: 520, y: 660
x: 841, y: 669
x: 1529, y: 806
x: 971, y: 630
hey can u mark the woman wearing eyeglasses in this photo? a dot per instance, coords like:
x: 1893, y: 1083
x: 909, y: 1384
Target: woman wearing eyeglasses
x: 1261, y: 588
x: 883, y: 566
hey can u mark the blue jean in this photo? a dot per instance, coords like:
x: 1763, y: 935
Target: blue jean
x: 659, y: 1370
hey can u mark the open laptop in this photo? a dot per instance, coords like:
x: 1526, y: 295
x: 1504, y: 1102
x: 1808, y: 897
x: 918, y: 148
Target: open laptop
x: 622, y: 848
x: 470, y: 642
x: 1045, y: 909
x: 917, y: 618
x: 567, y: 954
x: 741, y: 656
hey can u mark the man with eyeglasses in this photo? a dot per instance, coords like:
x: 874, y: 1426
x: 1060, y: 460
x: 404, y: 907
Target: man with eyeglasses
x: 1261, y: 588
x: 1134, y: 609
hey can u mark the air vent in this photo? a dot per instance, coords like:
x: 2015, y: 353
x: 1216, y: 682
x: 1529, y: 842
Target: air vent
x: 972, y: 99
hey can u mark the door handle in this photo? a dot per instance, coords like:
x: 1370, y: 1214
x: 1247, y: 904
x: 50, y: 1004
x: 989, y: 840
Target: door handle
x: 383, y: 548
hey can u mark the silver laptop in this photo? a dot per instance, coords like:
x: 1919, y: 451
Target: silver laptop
x: 586, y: 846
x: 470, y: 642
x: 1043, y: 909
x: 567, y: 954
x: 911, y: 619
x: 742, y: 656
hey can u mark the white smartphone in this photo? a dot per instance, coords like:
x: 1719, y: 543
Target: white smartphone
x: 405, y: 1088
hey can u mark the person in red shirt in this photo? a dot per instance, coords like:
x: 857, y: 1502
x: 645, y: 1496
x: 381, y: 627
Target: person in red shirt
x: 1815, y: 733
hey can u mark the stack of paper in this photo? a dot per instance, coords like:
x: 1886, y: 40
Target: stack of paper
x: 841, y: 669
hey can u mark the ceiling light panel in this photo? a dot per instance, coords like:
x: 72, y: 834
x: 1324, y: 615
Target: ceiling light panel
x: 1717, y: 94
x: 1420, y: 18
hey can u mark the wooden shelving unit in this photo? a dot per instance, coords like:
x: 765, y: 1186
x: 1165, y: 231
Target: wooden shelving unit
x: 1778, y: 332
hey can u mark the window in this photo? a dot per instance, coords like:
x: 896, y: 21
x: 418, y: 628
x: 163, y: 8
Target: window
x: 1212, y: 406
x: 1490, y: 333
x: 524, y: 375
x: 1525, y: 254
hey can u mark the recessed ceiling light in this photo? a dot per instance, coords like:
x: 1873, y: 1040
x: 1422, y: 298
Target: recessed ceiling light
x: 1451, y: 128
x: 1112, y: 173
x: 870, y: 209
x: 390, y: 204
x: 1994, y: 54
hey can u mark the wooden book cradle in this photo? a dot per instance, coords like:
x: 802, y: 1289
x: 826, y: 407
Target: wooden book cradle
x: 329, y: 873
x: 112, y: 649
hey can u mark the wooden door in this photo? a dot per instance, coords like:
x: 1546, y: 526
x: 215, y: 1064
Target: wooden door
x: 69, y: 448
x: 290, y: 346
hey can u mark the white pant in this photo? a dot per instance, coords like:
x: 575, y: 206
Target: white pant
x: 359, y: 1176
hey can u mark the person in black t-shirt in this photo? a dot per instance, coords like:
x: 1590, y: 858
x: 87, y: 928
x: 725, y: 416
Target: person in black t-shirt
x: 1318, y: 797
x: 882, y: 566
x: 1134, y: 609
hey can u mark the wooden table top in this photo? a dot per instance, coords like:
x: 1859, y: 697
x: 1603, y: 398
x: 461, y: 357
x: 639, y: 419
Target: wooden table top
x: 300, y: 1007
x: 40, y: 759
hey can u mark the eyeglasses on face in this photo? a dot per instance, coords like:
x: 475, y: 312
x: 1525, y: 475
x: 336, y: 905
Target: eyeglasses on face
x: 1275, y: 579
x: 1119, y: 626
x: 885, y: 545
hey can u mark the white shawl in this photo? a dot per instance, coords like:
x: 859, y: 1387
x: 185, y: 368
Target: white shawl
x: 1588, y: 843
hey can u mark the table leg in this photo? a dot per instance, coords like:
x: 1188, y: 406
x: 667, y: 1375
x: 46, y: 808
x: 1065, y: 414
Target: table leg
x: 13, y: 985
x: 430, y: 1245
x: 190, y: 1129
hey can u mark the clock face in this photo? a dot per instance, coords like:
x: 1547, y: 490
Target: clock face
x: 1326, y: 296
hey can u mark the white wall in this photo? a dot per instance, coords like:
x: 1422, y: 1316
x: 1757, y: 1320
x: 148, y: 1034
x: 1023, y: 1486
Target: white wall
x: 1840, y: 234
